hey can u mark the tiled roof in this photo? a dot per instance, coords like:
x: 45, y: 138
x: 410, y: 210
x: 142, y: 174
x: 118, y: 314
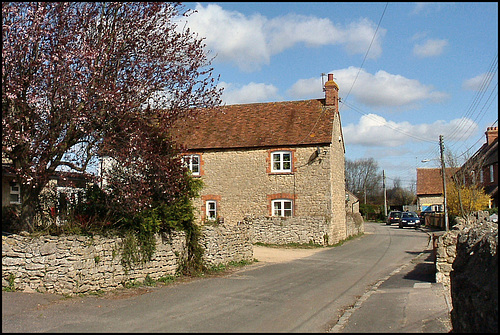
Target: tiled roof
x: 257, y: 125
x: 430, y: 181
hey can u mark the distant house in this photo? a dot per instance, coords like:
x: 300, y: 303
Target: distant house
x: 69, y: 187
x: 430, y: 189
x: 271, y: 160
x: 482, y: 167
x: 11, y: 190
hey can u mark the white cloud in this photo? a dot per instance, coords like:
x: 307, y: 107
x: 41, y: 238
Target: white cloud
x: 375, y: 131
x: 306, y: 88
x: 250, y: 41
x: 250, y: 93
x: 475, y: 84
x: 429, y: 7
x: 379, y: 90
x: 430, y: 48
x: 359, y: 35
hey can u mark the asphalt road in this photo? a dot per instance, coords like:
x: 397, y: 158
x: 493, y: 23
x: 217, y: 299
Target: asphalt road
x: 304, y: 295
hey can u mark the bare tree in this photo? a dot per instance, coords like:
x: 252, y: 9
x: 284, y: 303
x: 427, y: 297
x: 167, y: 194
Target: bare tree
x: 363, y: 178
x: 398, y: 195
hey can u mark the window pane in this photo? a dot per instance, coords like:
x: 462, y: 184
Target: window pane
x: 282, y: 161
x: 288, y: 204
x: 14, y: 198
x: 277, y: 208
x: 211, y: 209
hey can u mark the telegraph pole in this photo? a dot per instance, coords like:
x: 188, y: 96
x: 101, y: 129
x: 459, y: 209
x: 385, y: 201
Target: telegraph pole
x: 385, y: 193
x: 443, y: 169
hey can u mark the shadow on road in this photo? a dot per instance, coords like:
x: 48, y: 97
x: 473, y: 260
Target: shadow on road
x: 424, y: 270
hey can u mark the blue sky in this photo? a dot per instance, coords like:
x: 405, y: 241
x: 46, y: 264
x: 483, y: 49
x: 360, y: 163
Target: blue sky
x: 407, y: 72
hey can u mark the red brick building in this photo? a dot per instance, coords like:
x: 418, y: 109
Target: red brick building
x: 482, y: 167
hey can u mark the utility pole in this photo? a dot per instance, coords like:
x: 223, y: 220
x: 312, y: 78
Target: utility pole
x: 385, y: 193
x: 443, y: 169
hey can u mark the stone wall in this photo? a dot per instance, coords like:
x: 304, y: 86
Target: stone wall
x: 241, y: 183
x: 280, y: 230
x: 467, y: 265
x: 354, y: 224
x: 226, y: 243
x: 81, y: 264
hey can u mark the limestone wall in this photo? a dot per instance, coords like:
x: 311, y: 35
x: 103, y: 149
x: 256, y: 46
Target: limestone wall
x: 467, y: 265
x: 354, y: 224
x: 317, y: 230
x: 81, y: 264
x: 277, y: 230
x: 226, y: 243
x: 242, y: 184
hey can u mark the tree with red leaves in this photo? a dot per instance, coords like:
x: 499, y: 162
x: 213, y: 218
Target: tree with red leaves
x: 84, y: 80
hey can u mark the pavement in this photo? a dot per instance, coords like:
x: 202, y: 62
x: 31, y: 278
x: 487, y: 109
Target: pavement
x: 406, y: 301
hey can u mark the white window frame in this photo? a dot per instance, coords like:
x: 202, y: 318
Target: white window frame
x: 211, y: 211
x: 188, y: 161
x: 15, y: 189
x: 280, y: 161
x: 492, y: 174
x: 279, y: 209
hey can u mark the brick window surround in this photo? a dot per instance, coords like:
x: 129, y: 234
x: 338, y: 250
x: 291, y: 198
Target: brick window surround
x: 209, y: 197
x: 276, y: 196
x: 269, y: 160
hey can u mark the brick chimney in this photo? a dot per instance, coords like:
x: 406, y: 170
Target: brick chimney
x: 491, y: 134
x: 331, y: 92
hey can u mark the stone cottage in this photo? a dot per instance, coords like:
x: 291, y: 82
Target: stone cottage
x: 279, y: 162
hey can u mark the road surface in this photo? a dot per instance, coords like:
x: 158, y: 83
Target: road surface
x: 305, y: 293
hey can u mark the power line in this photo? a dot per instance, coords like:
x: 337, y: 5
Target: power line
x: 490, y: 73
x: 367, y: 51
x: 356, y: 109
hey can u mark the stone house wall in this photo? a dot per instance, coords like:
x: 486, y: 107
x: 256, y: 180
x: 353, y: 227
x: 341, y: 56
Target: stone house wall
x: 242, y: 184
x: 81, y: 264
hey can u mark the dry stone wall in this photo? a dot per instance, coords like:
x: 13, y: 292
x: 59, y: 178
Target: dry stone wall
x: 226, y: 243
x: 467, y: 265
x: 81, y: 264
x: 281, y: 230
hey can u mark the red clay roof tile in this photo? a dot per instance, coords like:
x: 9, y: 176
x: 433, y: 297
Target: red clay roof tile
x: 257, y: 125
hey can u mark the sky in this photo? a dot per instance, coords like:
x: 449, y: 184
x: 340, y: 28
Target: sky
x: 407, y: 73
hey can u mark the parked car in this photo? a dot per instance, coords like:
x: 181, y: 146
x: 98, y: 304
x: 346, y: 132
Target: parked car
x: 409, y: 219
x: 393, y: 217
